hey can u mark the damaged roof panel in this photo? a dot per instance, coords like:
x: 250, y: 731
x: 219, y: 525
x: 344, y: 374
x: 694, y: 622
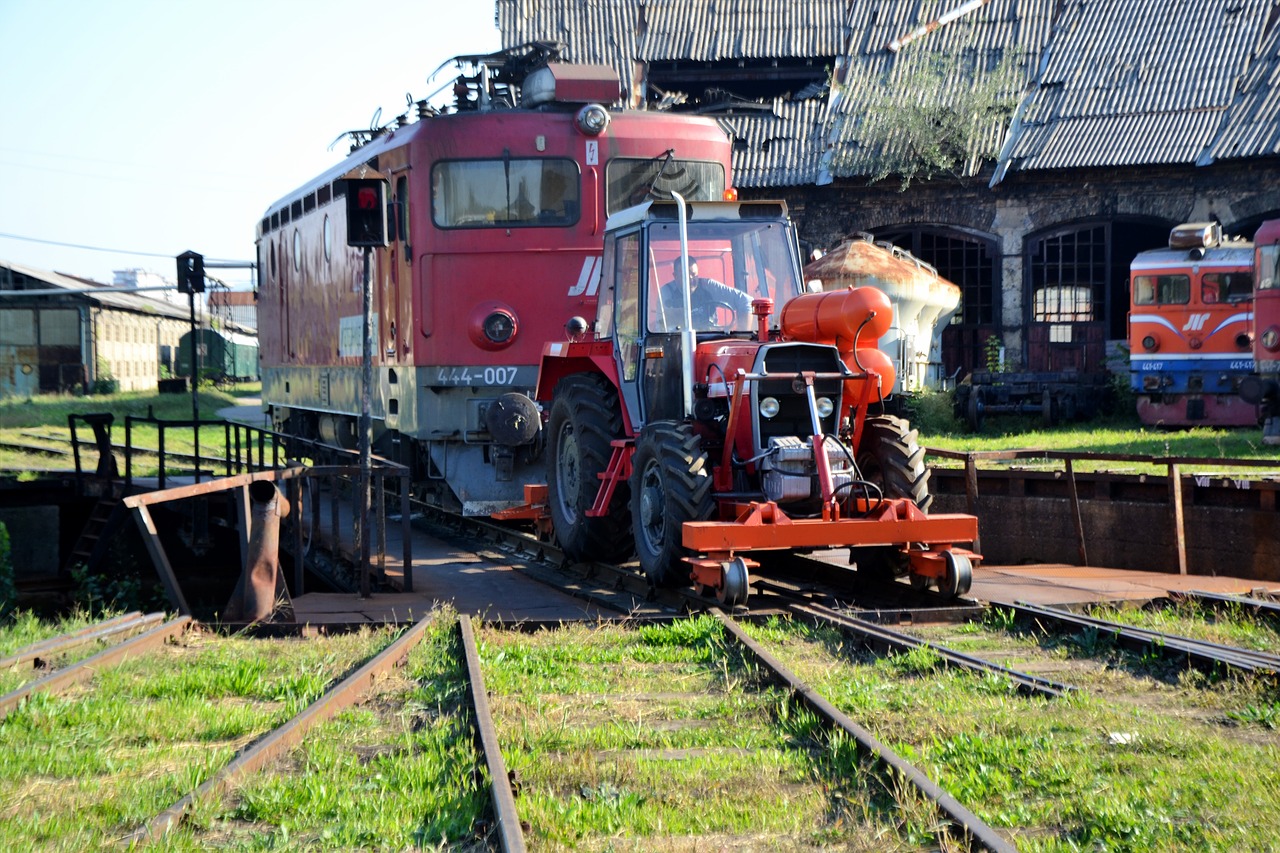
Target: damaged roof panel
x: 1123, y: 75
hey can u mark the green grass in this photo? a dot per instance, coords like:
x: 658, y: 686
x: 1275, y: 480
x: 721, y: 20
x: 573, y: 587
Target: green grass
x: 1116, y: 433
x: 1139, y: 759
x: 81, y: 769
x: 396, y: 772
x: 658, y: 738
x: 47, y: 414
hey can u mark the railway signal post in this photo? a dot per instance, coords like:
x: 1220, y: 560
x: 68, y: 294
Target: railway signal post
x: 366, y: 229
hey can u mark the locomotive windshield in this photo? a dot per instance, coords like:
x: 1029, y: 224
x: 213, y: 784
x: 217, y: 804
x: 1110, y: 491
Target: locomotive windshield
x: 632, y: 181
x: 733, y: 263
x: 504, y: 193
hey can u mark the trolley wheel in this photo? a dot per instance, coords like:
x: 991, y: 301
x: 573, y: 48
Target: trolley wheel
x: 958, y: 577
x: 1048, y: 408
x: 977, y: 410
x: 736, y: 585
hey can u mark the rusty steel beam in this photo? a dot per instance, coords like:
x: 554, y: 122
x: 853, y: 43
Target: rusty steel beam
x: 225, y: 483
x: 1075, y: 509
x: 91, y: 633
x: 510, y: 832
x: 965, y: 824
x: 1179, y: 524
x: 279, y: 740
x: 88, y: 668
x: 159, y: 559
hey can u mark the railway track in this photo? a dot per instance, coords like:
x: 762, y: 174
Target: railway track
x: 1212, y: 658
x: 524, y: 771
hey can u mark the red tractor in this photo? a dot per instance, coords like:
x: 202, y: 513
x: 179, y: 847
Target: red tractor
x: 694, y: 423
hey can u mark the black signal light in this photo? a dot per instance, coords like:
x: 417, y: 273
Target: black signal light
x: 366, y: 212
x: 191, y: 272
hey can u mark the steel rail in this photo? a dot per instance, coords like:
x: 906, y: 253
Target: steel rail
x: 1025, y: 682
x: 968, y: 826
x: 1260, y: 607
x: 36, y: 653
x: 510, y: 830
x: 1200, y: 653
x: 88, y: 668
x: 281, y: 739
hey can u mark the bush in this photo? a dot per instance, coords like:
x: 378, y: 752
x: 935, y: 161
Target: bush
x: 8, y: 587
x: 932, y: 412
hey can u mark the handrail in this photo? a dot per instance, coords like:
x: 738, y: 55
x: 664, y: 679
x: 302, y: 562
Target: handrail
x: 1173, y: 464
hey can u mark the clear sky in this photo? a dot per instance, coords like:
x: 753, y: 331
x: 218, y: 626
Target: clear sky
x: 158, y: 126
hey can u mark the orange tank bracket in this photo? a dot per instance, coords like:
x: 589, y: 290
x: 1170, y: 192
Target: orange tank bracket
x: 533, y: 509
x: 617, y: 471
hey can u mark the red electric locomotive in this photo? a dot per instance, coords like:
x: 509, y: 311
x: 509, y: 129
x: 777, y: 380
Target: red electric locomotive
x: 1263, y: 387
x: 496, y: 215
x: 1189, y: 329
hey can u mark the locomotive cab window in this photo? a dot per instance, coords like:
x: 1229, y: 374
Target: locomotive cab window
x: 505, y: 193
x: 1226, y: 287
x: 1161, y: 289
x: 631, y: 182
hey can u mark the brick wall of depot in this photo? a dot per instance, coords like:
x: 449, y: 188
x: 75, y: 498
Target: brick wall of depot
x: 1233, y: 539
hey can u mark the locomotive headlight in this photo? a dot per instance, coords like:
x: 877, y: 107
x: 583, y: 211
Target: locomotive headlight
x: 1271, y: 339
x: 1150, y: 344
x: 825, y: 407
x: 769, y: 407
x: 492, y: 326
x: 593, y: 119
x: 499, y: 327
x: 1244, y: 340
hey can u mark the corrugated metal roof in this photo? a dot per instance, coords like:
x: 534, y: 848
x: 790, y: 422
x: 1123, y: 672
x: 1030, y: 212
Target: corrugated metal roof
x: 1098, y: 83
x: 781, y: 148
x: 1002, y: 39
x: 1135, y: 82
x: 710, y: 30
x: 1252, y: 124
x: 593, y: 31
x: 83, y: 288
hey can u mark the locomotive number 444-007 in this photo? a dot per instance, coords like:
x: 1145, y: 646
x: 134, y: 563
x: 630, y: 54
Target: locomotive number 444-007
x: 479, y: 375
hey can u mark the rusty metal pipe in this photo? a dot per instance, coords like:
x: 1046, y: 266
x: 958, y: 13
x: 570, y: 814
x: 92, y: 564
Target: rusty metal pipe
x: 261, y: 592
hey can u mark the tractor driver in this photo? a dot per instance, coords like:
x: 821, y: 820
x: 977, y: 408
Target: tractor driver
x: 706, y: 294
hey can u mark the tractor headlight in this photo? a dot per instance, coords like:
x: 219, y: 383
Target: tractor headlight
x: 769, y: 407
x: 825, y: 407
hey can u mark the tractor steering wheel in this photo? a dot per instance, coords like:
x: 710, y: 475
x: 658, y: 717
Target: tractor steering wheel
x: 724, y: 316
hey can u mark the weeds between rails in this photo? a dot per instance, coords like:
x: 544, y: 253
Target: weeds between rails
x: 616, y: 742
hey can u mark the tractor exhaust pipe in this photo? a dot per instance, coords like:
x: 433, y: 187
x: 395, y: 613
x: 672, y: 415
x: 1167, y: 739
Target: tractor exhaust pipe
x: 260, y: 594
x: 688, y: 338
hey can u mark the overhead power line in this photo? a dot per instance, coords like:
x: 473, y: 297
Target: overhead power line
x: 115, y: 251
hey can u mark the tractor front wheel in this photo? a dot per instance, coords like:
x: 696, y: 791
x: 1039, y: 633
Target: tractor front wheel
x: 670, y: 484
x: 890, y: 456
x: 585, y: 418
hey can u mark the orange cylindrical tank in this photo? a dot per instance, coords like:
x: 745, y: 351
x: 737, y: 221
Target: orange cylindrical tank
x: 875, y: 363
x: 834, y: 317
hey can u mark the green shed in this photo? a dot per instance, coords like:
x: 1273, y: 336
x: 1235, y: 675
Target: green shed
x: 223, y: 355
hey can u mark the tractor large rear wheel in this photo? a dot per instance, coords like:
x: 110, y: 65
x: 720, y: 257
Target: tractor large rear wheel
x: 585, y: 418
x: 670, y: 484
